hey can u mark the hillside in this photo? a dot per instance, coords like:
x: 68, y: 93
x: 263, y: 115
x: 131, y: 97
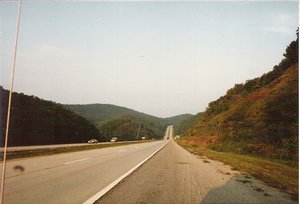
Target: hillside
x: 99, y: 114
x: 36, y: 122
x: 259, y: 117
x: 178, y: 118
x: 182, y: 126
x: 111, y: 120
x: 128, y: 127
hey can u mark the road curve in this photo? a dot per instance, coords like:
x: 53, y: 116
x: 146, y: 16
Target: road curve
x: 71, y: 177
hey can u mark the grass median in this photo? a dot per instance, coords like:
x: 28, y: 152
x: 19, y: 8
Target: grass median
x: 276, y: 173
x: 58, y: 150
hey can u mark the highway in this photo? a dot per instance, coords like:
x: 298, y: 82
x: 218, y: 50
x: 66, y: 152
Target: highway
x: 175, y: 176
x: 171, y: 176
x: 71, y: 177
x: 169, y: 132
x: 39, y: 147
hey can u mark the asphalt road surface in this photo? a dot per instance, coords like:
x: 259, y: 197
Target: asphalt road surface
x: 71, y: 177
x: 169, y: 132
x: 38, y: 147
x: 174, y: 176
x: 35, y: 147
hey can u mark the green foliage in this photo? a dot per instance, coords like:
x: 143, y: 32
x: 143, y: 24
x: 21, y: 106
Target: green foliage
x: 121, y: 122
x: 182, y: 126
x: 99, y: 114
x: 217, y: 107
x: 36, y: 122
x: 291, y: 57
x: 178, y: 119
x: 259, y: 117
x: 125, y: 128
x: 281, y: 174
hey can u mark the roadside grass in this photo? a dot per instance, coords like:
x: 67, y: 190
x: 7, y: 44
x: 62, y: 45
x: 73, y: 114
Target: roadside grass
x: 58, y: 150
x: 275, y: 173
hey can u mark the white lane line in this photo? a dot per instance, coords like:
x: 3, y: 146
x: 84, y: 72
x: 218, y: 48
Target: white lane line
x: 79, y: 160
x: 118, y: 180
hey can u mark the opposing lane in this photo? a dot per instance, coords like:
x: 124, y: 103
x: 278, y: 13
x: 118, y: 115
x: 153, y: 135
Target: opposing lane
x: 39, y: 147
x: 71, y: 177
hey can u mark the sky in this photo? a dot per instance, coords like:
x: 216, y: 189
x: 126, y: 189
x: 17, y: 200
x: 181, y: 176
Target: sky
x: 160, y: 58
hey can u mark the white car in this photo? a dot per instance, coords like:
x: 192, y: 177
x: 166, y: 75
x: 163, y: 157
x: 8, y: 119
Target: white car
x: 114, y: 139
x: 93, y: 141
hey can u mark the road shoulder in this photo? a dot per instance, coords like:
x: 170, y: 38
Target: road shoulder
x: 176, y: 176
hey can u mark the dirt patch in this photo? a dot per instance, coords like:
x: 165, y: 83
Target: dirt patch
x: 258, y: 189
x: 244, y: 181
x: 222, y: 172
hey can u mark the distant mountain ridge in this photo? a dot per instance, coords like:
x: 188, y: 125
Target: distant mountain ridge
x: 178, y: 118
x: 182, y: 126
x: 101, y: 113
x: 117, y: 121
x: 35, y: 121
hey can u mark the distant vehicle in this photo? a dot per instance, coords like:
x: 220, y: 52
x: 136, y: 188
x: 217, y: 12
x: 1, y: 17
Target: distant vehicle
x: 143, y: 138
x: 93, y: 141
x: 114, y: 139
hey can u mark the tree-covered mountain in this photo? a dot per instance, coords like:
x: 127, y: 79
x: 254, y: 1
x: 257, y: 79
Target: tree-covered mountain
x: 258, y: 117
x: 178, y: 119
x: 36, y: 122
x: 99, y: 114
x: 182, y: 126
x: 121, y: 122
x: 129, y: 127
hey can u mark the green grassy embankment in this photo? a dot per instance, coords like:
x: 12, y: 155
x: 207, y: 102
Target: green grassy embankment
x: 276, y: 173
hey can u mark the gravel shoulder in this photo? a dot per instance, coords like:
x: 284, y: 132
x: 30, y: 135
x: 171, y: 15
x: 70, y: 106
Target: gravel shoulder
x: 174, y: 175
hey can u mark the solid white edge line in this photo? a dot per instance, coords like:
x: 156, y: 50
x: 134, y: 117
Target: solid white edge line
x: 101, y: 193
x: 79, y: 160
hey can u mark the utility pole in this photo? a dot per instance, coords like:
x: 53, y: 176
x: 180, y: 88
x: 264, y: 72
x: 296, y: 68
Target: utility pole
x: 138, y: 133
x: 9, y: 102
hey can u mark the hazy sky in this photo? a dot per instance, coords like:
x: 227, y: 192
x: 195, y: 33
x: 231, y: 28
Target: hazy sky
x: 161, y: 58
